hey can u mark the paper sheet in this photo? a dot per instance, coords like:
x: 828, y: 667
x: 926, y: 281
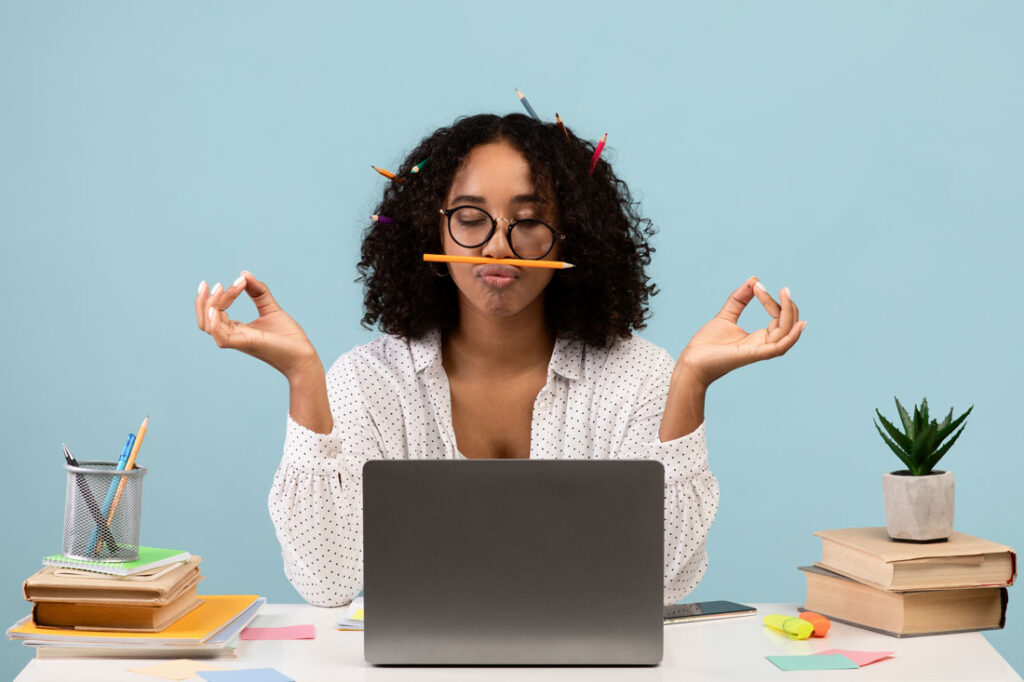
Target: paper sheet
x: 181, y: 669
x: 250, y: 675
x: 813, y: 662
x: 287, y: 632
x: 861, y: 658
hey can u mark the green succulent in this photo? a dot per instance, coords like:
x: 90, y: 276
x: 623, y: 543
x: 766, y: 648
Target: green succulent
x: 919, y: 446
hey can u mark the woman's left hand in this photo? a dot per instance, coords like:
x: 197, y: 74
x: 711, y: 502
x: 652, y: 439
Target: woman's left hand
x: 721, y: 345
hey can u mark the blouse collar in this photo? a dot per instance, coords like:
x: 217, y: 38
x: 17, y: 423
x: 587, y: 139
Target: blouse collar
x: 566, y: 358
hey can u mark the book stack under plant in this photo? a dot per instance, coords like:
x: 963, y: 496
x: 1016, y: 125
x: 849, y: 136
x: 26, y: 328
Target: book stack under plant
x: 902, y: 589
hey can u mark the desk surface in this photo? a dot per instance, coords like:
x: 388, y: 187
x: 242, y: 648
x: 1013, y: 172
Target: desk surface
x: 732, y: 649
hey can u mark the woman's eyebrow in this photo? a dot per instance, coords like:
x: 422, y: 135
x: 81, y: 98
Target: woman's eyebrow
x: 517, y: 199
x: 469, y: 199
x: 528, y: 199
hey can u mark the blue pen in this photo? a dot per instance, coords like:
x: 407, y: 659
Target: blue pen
x: 122, y: 462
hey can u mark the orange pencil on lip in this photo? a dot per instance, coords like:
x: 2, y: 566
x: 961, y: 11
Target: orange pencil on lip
x: 519, y: 262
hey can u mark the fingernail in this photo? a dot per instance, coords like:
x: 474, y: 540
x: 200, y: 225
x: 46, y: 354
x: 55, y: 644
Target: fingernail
x: 240, y: 280
x: 202, y: 286
x: 758, y: 286
x: 216, y: 289
x: 786, y: 290
x: 211, y: 313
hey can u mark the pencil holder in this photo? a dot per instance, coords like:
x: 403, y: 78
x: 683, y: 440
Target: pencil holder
x: 102, y: 512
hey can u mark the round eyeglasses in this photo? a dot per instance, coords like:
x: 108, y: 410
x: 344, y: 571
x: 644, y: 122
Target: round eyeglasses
x: 471, y: 227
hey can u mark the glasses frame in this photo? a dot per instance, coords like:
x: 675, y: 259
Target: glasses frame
x: 557, y: 236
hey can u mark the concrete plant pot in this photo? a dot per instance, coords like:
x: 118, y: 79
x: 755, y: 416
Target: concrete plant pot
x: 918, y: 508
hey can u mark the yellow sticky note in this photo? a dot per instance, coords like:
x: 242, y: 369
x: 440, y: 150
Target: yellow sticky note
x: 358, y: 615
x: 181, y: 669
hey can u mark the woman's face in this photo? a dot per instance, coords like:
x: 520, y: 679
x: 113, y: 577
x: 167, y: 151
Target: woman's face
x: 496, y: 178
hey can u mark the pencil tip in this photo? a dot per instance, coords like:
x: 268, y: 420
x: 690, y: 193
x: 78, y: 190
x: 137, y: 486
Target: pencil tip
x: 569, y: 265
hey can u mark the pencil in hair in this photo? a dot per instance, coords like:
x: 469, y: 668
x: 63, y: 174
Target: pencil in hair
x: 561, y: 126
x: 597, y: 153
x: 381, y: 219
x: 389, y: 175
x: 419, y: 166
x: 526, y: 104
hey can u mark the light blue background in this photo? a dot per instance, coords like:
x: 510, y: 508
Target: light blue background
x: 866, y: 154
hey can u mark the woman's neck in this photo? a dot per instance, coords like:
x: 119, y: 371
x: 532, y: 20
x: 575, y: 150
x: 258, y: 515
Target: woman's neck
x: 489, y: 346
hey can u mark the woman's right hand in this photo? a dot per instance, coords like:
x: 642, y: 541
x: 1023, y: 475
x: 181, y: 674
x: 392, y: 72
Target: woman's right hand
x: 273, y: 337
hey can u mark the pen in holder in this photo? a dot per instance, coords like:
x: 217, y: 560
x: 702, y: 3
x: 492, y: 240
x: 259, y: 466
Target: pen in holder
x: 92, y: 532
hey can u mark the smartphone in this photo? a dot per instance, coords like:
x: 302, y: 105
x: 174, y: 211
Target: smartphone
x: 706, y: 610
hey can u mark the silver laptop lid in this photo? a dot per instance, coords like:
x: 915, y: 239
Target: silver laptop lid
x: 513, y: 562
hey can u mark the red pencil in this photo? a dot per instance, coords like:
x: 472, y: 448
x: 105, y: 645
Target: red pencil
x: 597, y: 153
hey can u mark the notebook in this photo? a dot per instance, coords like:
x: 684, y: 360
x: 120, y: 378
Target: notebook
x: 149, y: 558
x: 513, y: 562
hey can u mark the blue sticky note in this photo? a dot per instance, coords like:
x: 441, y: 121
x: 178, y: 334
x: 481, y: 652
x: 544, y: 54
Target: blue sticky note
x: 250, y: 675
x: 809, y: 662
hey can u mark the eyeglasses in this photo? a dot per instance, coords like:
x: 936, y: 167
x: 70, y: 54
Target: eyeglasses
x: 471, y: 227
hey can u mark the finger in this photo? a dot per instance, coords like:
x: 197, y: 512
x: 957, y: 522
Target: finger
x: 260, y: 294
x: 738, y: 301
x: 766, y: 300
x: 201, y: 297
x: 222, y: 328
x: 231, y: 293
x: 774, y: 350
x: 215, y: 293
x: 786, y: 314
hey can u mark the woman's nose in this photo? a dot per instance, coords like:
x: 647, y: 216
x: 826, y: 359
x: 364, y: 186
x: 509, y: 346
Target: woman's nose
x: 497, y: 246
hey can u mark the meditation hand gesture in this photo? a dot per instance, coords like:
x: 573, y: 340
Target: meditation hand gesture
x: 273, y: 337
x: 721, y: 345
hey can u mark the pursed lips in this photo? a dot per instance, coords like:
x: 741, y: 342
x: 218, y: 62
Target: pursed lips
x: 500, y: 275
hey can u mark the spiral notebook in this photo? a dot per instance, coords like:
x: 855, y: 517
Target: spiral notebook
x: 149, y: 558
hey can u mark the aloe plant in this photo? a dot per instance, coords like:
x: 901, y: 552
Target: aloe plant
x: 919, y: 445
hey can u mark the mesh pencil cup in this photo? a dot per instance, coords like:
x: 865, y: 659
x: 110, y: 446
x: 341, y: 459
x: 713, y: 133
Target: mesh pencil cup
x: 102, y: 512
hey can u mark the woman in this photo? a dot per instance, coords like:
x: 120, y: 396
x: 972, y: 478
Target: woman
x: 494, y: 361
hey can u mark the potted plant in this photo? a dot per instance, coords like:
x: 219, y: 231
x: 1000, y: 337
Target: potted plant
x: 919, y: 499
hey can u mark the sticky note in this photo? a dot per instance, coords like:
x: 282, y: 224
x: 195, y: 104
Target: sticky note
x: 181, y: 669
x: 813, y: 662
x: 249, y: 675
x: 861, y: 658
x: 358, y: 615
x: 288, y: 632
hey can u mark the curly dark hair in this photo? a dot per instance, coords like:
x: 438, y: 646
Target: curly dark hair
x: 603, y: 298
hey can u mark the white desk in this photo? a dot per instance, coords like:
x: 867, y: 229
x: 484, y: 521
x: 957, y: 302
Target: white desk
x: 731, y: 649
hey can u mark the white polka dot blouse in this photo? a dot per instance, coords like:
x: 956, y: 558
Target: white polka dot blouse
x: 390, y: 399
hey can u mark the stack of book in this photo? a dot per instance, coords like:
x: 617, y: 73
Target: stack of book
x: 148, y: 607
x: 904, y: 588
x: 147, y: 596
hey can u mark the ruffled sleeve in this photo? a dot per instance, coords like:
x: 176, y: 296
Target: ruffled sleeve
x: 316, y: 498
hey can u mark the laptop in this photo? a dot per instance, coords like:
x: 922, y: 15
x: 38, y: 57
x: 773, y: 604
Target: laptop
x: 513, y: 562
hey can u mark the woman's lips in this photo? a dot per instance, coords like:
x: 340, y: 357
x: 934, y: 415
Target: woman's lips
x: 497, y: 276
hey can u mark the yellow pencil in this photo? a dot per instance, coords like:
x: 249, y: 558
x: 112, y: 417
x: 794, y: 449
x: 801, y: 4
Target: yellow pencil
x: 475, y: 260
x: 127, y: 467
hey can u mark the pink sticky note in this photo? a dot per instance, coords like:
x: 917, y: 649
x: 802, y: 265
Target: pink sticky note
x: 289, y: 632
x: 861, y: 658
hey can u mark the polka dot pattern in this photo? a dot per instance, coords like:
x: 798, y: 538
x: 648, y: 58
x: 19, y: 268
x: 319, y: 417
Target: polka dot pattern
x: 390, y: 399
